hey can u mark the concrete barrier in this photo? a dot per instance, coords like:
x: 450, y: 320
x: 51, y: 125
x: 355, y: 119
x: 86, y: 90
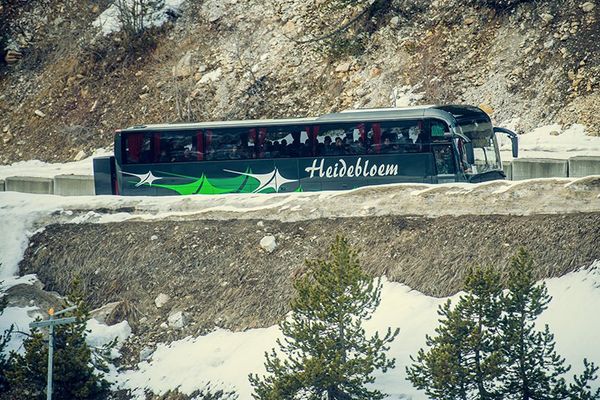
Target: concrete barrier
x: 29, y: 184
x: 581, y: 166
x: 1, y: 185
x: 507, y: 167
x: 529, y: 168
x: 74, y: 185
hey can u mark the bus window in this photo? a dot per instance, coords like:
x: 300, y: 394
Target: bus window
x: 444, y: 159
x: 177, y: 147
x: 398, y: 137
x: 288, y: 141
x: 338, y: 140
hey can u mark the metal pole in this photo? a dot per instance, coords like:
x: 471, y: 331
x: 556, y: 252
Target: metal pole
x: 50, y: 357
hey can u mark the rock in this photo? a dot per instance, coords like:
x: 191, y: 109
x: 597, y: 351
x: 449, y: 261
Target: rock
x: 289, y: 27
x: 260, y: 224
x: 101, y: 314
x: 6, y: 129
x: 343, y: 67
x: 80, y: 155
x: 153, y: 237
x: 139, y: 73
x: 268, y: 243
x: 94, y: 106
x: 39, y: 113
x: 184, y: 68
x: 588, y: 6
x: 469, y: 20
x: 395, y: 21
x: 161, y: 300
x: 548, y: 43
x: 177, y: 320
x: 164, y: 325
x: 145, y: 353
x: 211, y: 76
x: 547, y: 18
x: 144, y: 95
x: 554, y: 133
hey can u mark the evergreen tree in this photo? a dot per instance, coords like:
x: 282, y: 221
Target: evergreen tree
x: 325, y: 353
x: 465, y: 359
x: 74, y: 376
x: 4, y: 361
x: 581, y: 388
x: 535, y: 370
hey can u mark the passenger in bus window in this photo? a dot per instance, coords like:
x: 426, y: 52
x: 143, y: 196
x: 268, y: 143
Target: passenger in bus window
x: 338, y: 147
x: 283, y: 148
x: 306, y: 150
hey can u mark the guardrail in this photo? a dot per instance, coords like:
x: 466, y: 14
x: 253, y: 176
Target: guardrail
x: 518, y: 169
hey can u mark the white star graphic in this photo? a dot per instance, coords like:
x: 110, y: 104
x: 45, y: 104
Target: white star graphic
x: 147, y: 178
x: 272, y: 179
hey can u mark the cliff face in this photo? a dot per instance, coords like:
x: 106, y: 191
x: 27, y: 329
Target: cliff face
x: 225, y: 59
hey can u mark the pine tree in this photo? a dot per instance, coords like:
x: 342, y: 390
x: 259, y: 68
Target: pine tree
x: 4, y: 361
x: 581, y: 388
x: 74, y: 376
x: 465, y: 359
x: 535, y: 370
x: 325, y: 353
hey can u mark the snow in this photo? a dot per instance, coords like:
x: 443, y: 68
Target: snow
x: 101, y: 334
x: 43, y: 169
x: 223, y: 359
x: 551, y: 141
x: 108, y: 21
x: 19, y: 317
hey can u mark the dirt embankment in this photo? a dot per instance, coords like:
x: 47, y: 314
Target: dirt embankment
x: 218, y: 275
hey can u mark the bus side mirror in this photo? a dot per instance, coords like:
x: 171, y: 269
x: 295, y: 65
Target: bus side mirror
x: 515, y: 146
x: 469, y: 153
x: 514, y: 139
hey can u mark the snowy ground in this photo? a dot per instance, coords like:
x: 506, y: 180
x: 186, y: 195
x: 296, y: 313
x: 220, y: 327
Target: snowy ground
x: 551, y: 141
x: 224, y: 359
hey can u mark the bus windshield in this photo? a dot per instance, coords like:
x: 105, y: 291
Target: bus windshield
x: 485, y: 146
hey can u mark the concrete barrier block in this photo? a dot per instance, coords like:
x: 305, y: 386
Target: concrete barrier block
x: 507, y: 167
x: 530, y: 168
x: 1, y: 185
x: 581, y: 166
x: 74, y: 185
x: 29, y: 184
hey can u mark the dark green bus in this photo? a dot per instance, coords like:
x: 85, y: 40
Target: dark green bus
x: 427, y: 144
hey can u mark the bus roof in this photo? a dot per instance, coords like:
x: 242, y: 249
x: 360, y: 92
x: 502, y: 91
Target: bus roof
x: 448, y: 113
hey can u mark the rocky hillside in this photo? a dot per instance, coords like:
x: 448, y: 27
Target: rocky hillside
x: 176, y: 278
x: 65, y: 87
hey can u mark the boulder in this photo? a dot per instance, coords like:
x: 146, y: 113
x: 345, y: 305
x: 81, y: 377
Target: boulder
x: 268, y: 243
x: 161, y: 300
x: 177, y: 320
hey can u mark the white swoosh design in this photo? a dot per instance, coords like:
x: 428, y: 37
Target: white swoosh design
x: 273, y: 180
x: 147, y: 178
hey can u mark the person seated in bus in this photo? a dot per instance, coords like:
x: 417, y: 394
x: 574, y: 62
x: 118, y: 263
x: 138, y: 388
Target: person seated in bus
x: 163, y: 156
x: 327, y: 148
x: 187, y: 155
x: 283, y: 148
x: 234, y: 153
x: 443, y: 159
x: 387, y: 146
x: 275, y: 151
x: 306, y: 150
x: 293, y: 149
x: 338, y: 147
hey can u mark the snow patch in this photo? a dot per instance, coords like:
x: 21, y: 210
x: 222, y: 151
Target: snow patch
x: 108, y: 22
x: 223, y: 359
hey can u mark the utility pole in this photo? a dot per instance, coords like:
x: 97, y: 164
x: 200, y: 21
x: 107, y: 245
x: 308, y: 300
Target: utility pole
x: 51, y: 323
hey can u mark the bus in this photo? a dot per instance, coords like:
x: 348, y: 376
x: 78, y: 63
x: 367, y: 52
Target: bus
x: 340, y: 151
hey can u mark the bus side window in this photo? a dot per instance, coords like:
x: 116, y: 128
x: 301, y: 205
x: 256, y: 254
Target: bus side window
x: 444, y: 160
x: 133, y: 147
